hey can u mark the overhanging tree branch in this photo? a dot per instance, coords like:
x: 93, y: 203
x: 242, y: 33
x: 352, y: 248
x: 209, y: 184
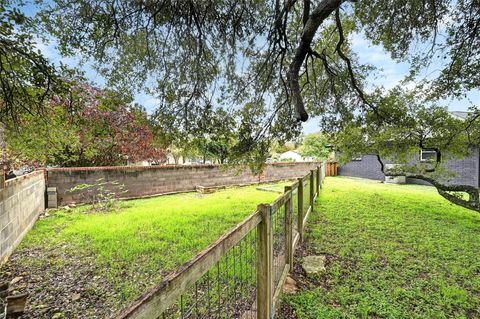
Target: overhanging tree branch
x: 472, y: 203
x: 315, y: 19
x: 344, y: 57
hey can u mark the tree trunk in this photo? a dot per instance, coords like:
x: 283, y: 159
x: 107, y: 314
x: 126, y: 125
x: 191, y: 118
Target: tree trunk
x: 312, y: 23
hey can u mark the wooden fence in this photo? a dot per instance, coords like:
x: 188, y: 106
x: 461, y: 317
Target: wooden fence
x: 332, y: 169
x: 242, y: 274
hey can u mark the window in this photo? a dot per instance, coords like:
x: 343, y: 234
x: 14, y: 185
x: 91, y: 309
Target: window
x: 428, y: 156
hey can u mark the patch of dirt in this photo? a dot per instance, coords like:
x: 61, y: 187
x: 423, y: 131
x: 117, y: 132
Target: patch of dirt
x: 285, y: 312
x: 303, y: 281
x: 290, y: 286
x: 69, y: 287
x: 423, y: 275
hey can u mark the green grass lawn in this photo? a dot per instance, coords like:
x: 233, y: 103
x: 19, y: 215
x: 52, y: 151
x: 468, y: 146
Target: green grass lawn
x: 395, y: 251
x: 119, y: 255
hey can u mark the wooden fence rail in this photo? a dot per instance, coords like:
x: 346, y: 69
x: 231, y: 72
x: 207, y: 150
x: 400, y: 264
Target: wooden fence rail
x: 241, y: 275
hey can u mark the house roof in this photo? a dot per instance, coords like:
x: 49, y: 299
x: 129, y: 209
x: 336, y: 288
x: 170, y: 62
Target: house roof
x: 291, y: 151
x: 461, y: 115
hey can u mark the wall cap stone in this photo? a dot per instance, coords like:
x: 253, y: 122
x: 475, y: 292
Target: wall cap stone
x: 135, y: 167
x: 19, y: 179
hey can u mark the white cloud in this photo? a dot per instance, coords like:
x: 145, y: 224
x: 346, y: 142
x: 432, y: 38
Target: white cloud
x: 47, y: 49
x: 389, y: 72
x: 368, y: 52
x: 148, y: 101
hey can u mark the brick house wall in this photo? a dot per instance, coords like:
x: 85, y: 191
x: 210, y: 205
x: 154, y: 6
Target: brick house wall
x: 466, y: 170
x: 367, y: 167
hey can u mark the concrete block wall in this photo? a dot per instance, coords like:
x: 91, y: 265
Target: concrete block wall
x: 22, y: 201
x: 151, y: 180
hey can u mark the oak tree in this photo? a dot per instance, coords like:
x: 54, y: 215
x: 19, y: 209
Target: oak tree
x: 412, y: 127
x: 273, y: 63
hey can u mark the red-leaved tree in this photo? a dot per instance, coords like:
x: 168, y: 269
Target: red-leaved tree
x: 89, y: 127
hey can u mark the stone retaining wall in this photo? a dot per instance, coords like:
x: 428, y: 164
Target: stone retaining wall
x: 22, y: 201
x: 143, y: 181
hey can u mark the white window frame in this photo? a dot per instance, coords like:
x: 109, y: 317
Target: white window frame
x: 428, y: 159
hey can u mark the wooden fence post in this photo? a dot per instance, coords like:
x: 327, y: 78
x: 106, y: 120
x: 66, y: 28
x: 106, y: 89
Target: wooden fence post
x: 300, y: 209
x: 320, y: 168
x: 312, y: 188
x: 318, y: 180
x: 289, y: 228
x: 264, y: 264
x: 2, y: 178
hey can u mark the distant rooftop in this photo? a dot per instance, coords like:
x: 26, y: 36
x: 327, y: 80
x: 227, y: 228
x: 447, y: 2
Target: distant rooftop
x: 461, y: 115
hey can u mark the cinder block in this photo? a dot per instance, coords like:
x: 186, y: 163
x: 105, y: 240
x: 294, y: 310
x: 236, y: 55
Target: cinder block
x: 6, y: 232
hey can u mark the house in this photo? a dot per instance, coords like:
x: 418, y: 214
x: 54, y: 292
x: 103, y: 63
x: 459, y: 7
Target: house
x: 294, y: 156
x: 184, y: 160
x: 466, y: 170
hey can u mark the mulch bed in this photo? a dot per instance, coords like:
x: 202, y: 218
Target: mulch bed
x: 71, y: 289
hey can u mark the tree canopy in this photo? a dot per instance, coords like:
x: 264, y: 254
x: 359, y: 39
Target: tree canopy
x: 267, y: 64
x: 283, y: 60
x: 315, y: 145
x: 287, y: 59
x: 251, y: 49
x: 90, y: 127
x: 27, y: 78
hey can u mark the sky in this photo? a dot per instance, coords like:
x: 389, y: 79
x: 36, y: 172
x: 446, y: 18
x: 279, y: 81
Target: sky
x: 390, y: 74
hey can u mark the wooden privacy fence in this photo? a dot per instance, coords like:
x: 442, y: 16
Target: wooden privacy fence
x: 332, y: 169
x: 242, y: 274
